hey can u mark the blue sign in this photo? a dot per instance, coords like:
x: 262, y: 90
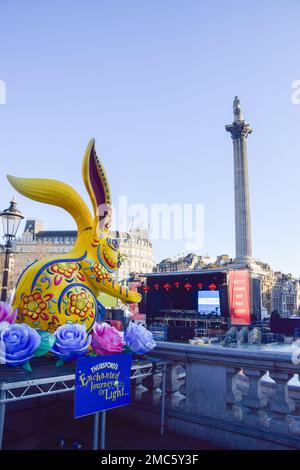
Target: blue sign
x: 102, y: 383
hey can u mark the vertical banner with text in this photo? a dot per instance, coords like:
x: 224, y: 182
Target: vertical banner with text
x: 135, y: 307
x: 239, y: 288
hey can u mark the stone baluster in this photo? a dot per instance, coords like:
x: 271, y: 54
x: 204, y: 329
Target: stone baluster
x: 233, y: 395
x: 153, y: 393
x: 181, y: 377
x: 137, y: 389
x: 280, y: 404
x: 133, y: 386
x: 295, y: 425
x: 174, y: 383
x: 255, y: 400
x: 296, y: 397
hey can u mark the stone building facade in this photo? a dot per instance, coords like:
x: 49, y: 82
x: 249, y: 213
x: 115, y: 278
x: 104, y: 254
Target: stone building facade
x: 279, y: 291
x: 36, y: 243
x: 285, y: 294
x: 191, y: 262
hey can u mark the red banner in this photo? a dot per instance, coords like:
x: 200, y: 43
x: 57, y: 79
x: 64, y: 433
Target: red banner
x: 239, y: 285
x: 134, y: 308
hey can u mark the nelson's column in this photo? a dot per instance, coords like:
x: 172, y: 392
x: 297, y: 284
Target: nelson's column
x: 239, y: 131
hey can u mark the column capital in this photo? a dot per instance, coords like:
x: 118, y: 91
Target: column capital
x: 239, y: 129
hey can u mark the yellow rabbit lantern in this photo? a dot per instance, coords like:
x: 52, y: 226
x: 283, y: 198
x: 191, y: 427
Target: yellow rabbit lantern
x: 58, y: 290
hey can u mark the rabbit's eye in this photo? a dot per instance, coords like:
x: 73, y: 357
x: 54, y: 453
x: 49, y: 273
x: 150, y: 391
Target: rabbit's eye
x: 113, y: 243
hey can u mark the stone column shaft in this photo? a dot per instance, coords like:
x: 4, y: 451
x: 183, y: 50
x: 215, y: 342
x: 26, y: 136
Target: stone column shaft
x: 243, y: 242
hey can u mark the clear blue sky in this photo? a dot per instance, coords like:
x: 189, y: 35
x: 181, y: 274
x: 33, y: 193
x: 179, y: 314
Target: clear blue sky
x: 154, y: 81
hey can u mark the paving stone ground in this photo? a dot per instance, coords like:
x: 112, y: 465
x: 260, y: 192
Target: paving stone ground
x: 49, y: 423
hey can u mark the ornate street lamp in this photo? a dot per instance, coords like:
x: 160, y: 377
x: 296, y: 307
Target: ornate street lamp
x: 11, y: 219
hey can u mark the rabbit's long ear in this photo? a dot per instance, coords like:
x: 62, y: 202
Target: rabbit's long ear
x: 96, y: 183
x: 55, y: 193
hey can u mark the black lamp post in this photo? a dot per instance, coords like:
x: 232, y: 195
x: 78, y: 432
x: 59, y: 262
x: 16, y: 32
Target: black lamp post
x: 11, y: 219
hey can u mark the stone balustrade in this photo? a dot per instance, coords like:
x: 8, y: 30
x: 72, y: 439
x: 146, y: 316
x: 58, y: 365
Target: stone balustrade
x: 236, y: 398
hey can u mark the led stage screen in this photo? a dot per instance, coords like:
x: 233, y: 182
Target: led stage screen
x: 209, y: 302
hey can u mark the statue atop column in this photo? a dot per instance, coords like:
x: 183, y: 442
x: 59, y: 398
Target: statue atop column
x: 237, y: 111
x: 239, y: 128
